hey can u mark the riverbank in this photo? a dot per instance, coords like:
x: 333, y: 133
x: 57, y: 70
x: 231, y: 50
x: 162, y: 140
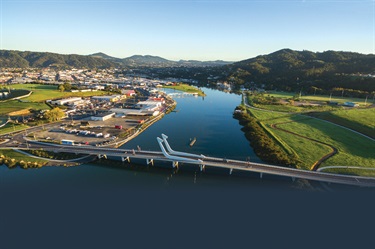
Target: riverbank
x: 16, y: 158
x: 317, y: 143
x: 187, y: 88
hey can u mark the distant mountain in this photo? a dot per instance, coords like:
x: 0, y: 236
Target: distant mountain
x: 106, y: 57
x: 11, y: 58
x: 288, y: 69
x: 137, y: 61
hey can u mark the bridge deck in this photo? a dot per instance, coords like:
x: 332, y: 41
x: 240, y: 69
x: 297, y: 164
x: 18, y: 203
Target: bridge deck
x: 215, y: 162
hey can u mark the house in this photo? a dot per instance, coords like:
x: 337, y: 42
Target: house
x: 128, y: 92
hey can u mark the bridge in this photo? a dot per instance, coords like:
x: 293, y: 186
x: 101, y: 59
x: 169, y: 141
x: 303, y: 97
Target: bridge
x: 176, y: 157
x: 182, y: 94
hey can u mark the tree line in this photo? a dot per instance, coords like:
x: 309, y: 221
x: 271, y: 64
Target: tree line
x: 264, y: 146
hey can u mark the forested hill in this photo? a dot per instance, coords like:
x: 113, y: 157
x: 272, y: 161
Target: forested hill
x: 10, y: 58
x: 292, y: 70
x: 149, y: 61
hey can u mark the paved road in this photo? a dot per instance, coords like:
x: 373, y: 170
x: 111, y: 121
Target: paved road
x: 213, y: 162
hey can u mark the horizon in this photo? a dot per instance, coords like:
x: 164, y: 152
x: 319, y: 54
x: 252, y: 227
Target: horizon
x: 206, y: 30
x: 182, y: 59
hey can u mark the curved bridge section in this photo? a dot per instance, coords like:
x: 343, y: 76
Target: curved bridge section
x: 175, y: 157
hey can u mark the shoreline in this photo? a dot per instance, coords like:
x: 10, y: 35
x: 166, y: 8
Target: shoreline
x: 69, y: 163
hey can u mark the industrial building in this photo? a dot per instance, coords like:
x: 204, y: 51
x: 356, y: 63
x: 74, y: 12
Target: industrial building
x: 103, y: 116
x: 111, y: 98
x: 133, y: 112
x: 66, y: 101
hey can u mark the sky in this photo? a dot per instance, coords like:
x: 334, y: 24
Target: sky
x: 187, y: 29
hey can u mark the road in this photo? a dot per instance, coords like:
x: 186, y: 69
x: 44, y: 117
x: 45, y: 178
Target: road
x: 212, y: 162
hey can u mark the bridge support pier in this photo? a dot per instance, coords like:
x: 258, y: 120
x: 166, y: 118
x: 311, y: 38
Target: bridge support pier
x: 123, y: 159
x: 202, y: 167
x: 150, y: 161
x: 230, y: 171
x: 261, y: 175
x: 175, y: 164
x: 102, y: 156
x: 293, y: 179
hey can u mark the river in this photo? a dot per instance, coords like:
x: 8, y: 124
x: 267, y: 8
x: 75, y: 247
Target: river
x: 208, y: 119
x: 114, y: 205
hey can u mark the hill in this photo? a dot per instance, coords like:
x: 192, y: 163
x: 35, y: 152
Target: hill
x: 11, y: 58
x: 150, y: 61
x: 287, y: 69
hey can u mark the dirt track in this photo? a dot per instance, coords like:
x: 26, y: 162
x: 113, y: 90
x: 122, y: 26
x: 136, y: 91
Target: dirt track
x: 315, y: 166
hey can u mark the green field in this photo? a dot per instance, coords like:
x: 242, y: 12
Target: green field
x: 12, y: 127
x: 45, y: 92
x: 322, y: 98
x: 353, y: 149
x: 187, y: 88
x: 15, y: 105
x: 19, y: 156
x: 361, y: 120
x: 364, y: 172
x: 288, y: 107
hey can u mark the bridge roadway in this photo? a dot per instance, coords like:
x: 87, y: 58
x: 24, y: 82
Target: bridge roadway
x: 204, y: 161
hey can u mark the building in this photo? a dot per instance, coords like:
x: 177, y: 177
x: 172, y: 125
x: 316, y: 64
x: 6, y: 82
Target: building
x: 128, y: 92
x: 103, y: 116
x: 133, y: 112
x: 148, y: 105
x: 66, y: 101
x: 112, y: 98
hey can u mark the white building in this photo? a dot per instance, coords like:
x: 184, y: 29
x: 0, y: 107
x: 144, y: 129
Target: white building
x: 133, y: 112
x: 149, y: 105
x: 103, y: 116
x: 65, y: 101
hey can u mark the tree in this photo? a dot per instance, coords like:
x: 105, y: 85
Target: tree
x: 54, y: 114
x: 61, y: 88
x: 67, y: 86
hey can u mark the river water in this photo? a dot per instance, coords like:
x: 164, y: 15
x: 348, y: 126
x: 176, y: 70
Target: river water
x: 208, y: 119
x: 119, y: 205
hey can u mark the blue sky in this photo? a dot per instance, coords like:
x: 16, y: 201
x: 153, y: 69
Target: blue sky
x: 187, y: 29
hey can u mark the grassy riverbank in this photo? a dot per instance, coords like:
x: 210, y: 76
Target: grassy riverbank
x: 317, y: 142
x: 12, y: 159
x: 187, y: 88
x: 353, y: 149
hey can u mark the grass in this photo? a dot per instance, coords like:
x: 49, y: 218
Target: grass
x: 361, y: 120
x: 10, y: 128
x: 322, y: 98
x: 362, y: 172
x: 19, y: 156
x: 295, y: 109
x: 187, y: 88
x: 353, y: 149
x: 15, y: 105
x: 45, y: 92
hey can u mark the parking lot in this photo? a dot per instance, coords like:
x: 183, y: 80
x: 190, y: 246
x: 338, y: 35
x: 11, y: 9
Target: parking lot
x: 90, y: 132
